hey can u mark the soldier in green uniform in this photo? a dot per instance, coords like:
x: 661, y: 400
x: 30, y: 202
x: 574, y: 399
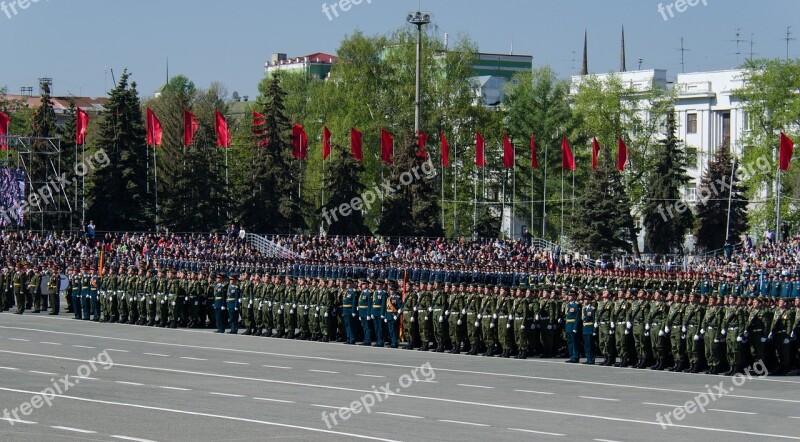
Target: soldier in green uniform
x: 53, y: 292
x: 34, y: 288
x: 457, y: 322
x: 733, y: 329
x: 111, y: 287
x: 247, y: 304
x: 489, y: 321
x: 674, y: 330
x: 290, y: 307
x: 532, y: 332
x: 548, y: 322
x: 18, y: 288
x: 505, y: 322
x: 782, y: 324
x: 438, y: 316
x: 641, y: 330
x: 519, y: 320
x: 711, y: 330
x: 604, y: 320
x: 655, y: 325
x: 758, y: 321
x: 474, y: 318
x: 692, y: 321
x: 425, y: 318
x: 621, y: 326
x: 278, y: 304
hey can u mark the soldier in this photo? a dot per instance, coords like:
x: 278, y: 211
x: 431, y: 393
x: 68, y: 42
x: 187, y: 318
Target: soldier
x: 111, y: 288
x: 656, y: 324
x: 162, y: 297
x: 548, y: 321
x: 758, y: 320
x: 692, y: 320
x: 175, y: 297
x: 34, y: 289
x: 439, y: 313
x: 411, y: 318
x: 232, y: 304
x: 675, y: 330
x: 364, y: 312
x: 489, y: 321
x: 474, y: 318
x: 278, y: 304
x: 378, y: 313
x: 589, y: 329
x: 53, y: 291
x: 621, y: 317
x: 349, y: 311
x: 457, y: 318
x: 638, y: 324
x: 290, y: 307
x: 711, y: 329
x: 425, y: 308
x: 533, y: 332
x: 505, y: 322
x: 604, y: 321
x: 394, y: 307
x: 782, y: 324
x: 733, y: 329
x: 220, y: 294
x: 572, y: 312
x: 521, y: 321
x: 18, y: 288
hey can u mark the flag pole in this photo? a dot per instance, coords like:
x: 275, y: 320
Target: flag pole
x: 503, y: 202
x: 513, y: 193
x: 730, y: 201
x: 778, y: 208
x: 322, y: 198
x: 442, y: 201
x: 83, y: 186
x: 155, y: 182
x: 455, y: 190
x: 562, y: 205
x: 544, y: 194
x: 381, y: 184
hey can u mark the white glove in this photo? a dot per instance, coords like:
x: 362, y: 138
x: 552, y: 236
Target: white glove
x: 666, y: 330
x: 613, y: 324
x: 413, y: 319
x: 647, y: 327
x: 575, y: 331
x: 441, y: 318
x: 661, y: 333
x: 385, y: 320
x: 746, y: 334
x: 739, y: 339
x: 716, y: 341
x: 537, y: 316
x: 354, y: 315
x: 696, y: 337
x: 477, y: 324
x: 430, y: 309
x: 646, y: 334
x: 447, y: 312
x: 458, y: 322
x: 683, y: 329
x: 763, y: 340
x: 415, y: 309
x: 549, y: 327
x: 786, y: 341
x: 494, y: 316
x: 723, y: 332
x: 491, y: 325
x: 326, y: 314
x: 463, y: 311
x: 770, y: 336
x: 294, y: 305
x: 480, y: 316
x: 223, y: 308
x: 508, y: 325
x: 393, y: 316
x: 626, y: 331
x: 628, y: 324
x: 426, y: 318
x: 400, y: 312
x: 702, y: 331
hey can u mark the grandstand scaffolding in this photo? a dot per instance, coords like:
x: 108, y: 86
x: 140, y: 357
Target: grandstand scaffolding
x: 40, y: 159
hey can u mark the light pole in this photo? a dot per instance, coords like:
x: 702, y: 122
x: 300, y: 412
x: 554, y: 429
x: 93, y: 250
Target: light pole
x: 419, y: 19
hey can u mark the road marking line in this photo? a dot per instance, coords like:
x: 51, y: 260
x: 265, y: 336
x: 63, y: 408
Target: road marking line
x: 174, y: 388
x: 18, y: 339
x: 430, y: 382
x: 604, y: 440
x: 324, y: 371
x: 8, y: 368
x: 119, y: 351
x: 50, y: 343
x: 537, y: 432
x: 400, y: 415
x: 662, y: 405
x: 87, y: 378
x: 328, y: 406
x: 129, y: 383
x: 598, y: 398
x: 474, y: 386
x: 463, y: 423
x: 235, y: 363
x: 156, y: 354
x: 272, y: 400
x: 731, y: 411
x: 42, y: 372
x: 225, y: 394
x: 82, y: 346
x: 277, y: 366
x: 134, y: 439
x: 370, y: 376
x: 424, y: 398
x: 16, y: 421
x: 193, y: 359
x: 533, y: 392
x: 77, y: 430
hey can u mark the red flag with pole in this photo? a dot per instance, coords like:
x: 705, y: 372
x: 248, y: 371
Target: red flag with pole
x: 190, y: 126
x: 508, y: 152
x: 258, y: 131
x: 5, y: 123
x: 480, y: 150
x: 299, y: 142
x: 422, y: 140
x: 326, y: 143
x: 567, y: 160
x: 595, y: 151
x: 154, y: 129
x: 387, y: 146
x: 445, y: 150
x: 81, y: 124
x: 534, y: 160
x: 622, y: 155
x: 787, y: 149
x: 356, y: 145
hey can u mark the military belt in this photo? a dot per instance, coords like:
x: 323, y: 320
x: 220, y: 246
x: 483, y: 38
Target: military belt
x: 347, y: 305
x: 587, y: 324
x: 376, y: 306
x: 570, y: 320
x: 758, y: 330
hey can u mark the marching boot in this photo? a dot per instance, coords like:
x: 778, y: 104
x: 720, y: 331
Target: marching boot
x: 489, y: 351
x: 440, y: 348
x: 247, y: 332
x: 523, y: 354
x: 506, y: 353
x: 424, y: 347
x: 258, y: 332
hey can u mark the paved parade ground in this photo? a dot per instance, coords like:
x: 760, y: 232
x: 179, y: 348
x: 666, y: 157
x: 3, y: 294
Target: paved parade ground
x: 153, y: 384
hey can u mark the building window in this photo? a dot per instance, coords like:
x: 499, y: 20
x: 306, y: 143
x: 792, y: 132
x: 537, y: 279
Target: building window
x: 726, y: 129
x: 691, y: 123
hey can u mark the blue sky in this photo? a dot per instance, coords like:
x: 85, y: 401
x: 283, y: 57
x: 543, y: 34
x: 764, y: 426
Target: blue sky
x: 76, y: 41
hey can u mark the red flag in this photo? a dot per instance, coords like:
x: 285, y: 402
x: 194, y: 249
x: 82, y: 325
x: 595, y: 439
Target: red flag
x: 81, y: 123
x: 356, y: 144
x: 154, y: 130
x: 622, y: 155
x: 567, y: 160
x: 258, y: 131
x: 534, y: 160
x: 326, y: 143
x: 387, y: 146
x: 221, y: 128
x: 422, y: 140
x: 787, y: 149
x: 5, y: 123
x: 508, y: 152
x: 595, y: 150
x: 480, y: 149
x: 190, y: 126
x: 445, y: 150
x: 299, y: 142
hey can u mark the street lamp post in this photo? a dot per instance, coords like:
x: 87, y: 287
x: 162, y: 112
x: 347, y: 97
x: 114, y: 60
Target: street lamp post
x: 419, y: 19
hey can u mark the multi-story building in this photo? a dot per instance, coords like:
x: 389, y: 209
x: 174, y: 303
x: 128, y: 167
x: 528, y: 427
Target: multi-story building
x: 317, y: 65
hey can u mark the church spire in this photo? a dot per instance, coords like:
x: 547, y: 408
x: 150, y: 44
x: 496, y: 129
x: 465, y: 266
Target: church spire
x: 622, y: 65
x: 585, y: 67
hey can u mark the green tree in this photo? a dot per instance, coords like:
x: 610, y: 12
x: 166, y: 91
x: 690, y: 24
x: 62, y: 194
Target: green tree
x: 117, y: 198
x: 667, y: 218
x: 719, y: 194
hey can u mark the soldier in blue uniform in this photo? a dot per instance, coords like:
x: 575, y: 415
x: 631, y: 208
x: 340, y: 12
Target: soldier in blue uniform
x: 220, y: 293
x: 232, y: 304
x: 589, y: 330
x: 394, y: 306
x: 349, y: 299
x: 365, y: 313
x: 572, y: 318
x: 378, y: 313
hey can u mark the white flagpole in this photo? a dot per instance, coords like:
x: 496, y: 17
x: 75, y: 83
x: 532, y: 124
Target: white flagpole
x: 155, y: 182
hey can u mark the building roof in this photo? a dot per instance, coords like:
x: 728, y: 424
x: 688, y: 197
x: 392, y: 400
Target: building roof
x: 321, y: 57
x: 61, y: 104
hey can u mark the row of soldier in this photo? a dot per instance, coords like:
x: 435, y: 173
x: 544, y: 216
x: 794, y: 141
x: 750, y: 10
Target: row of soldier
x: 641, y: 328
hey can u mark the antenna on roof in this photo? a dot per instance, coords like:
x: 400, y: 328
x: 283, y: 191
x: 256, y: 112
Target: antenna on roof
x: 738, y: 40
x: 683, y: 51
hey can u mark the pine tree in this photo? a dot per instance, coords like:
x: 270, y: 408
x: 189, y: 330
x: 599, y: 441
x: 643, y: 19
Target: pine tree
x: 342, y: 184
x: 603, y: 221
x: 716, y: 191
x: 43, y: 123
x: 667, y: 218
x: 413, y: 208
x: 269, y: 197
x: 488, y: 224
x: 117, y: 196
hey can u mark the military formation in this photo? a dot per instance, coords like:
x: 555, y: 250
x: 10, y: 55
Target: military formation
x: 677, y: 321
